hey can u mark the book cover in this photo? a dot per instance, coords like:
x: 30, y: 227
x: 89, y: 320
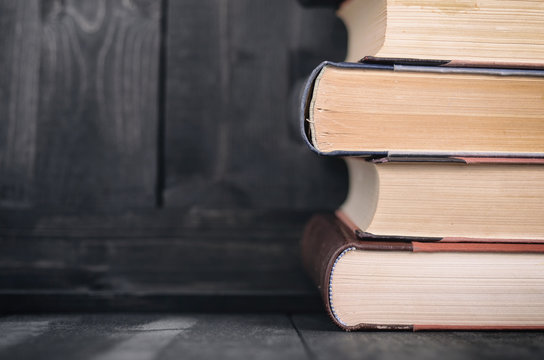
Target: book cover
x: 496, y: 147
x: 327, y: 241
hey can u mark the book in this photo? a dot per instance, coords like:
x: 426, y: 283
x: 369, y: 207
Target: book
x: 465, y: 30
x: 441, y: 124
x: 415, y: 285
x: 423, y: 107
x: 446, y: 199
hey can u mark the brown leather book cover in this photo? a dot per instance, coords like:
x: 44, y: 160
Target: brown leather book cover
x: 326, y: 238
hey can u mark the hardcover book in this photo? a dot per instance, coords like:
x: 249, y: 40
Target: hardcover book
x: 379, y: 108
x: 442, y: 227
x: 465, y: 30
x: 418, y: 285
x: 448, y: 199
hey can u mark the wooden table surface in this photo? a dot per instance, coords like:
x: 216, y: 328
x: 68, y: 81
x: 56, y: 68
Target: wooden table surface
x: 241, y: 336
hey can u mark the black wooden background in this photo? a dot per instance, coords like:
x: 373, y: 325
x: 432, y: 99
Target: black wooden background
x: 150, y: 157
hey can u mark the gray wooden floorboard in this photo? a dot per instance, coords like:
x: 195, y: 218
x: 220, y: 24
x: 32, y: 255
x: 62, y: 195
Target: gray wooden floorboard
x: 324, y: 340
x: 147, y: 336
x: 240, y: 336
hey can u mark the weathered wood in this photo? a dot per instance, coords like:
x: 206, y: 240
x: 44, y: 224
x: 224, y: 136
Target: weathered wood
x: 58, y: 301
x: 232, y: 135
x: 193, y: 96
x: 97, y: 129
x: 19, y: 60
x: 170, y: 257
x: 151, y: 223
x: 205, y: 336
x: 18, y: 330
x: 88, y: 336
x: 135, y: 337
x: 78, y: 223
x: 324, y: 341
x: 238, y: 337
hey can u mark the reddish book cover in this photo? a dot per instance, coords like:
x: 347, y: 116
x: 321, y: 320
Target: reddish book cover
x: 327, y: 239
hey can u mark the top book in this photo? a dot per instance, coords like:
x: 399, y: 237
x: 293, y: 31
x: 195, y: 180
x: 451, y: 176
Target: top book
x: 468, y: 30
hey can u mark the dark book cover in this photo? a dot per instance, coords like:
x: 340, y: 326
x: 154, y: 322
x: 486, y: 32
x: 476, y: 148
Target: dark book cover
x: 415, y: 65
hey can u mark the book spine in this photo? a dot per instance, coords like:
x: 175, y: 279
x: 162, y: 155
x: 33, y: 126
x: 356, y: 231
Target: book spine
x: 306, y: 100
x: 325, y: 240
x: 321, y: 243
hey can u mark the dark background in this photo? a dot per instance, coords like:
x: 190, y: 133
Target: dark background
x: 150, y: 156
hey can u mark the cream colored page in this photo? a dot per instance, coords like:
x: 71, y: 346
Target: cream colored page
x: 478, y: 289
x: 483, y: 201
x: 374, y: 110
x: 474, y: 30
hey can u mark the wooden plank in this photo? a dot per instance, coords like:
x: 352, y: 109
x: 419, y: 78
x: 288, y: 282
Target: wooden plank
x: 97, y: 129
x: 202, y: 336
x: 171, y: 257
x: 232, y: 134
x: 91, y: 336
x: 168, y: 301
x: 167, y: 222
x: 14, y: 331
x: 193, y: 97
x: 238, y: 337
x: 91, y: 239
x: 19, y: 61
x: 324, y: 340
x: 136, y: 336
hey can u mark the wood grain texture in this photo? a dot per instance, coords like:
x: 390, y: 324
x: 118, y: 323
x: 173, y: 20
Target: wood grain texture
x: 98, y: 104
x: 156, y: 261
x: 83, y: 231
x: 232, y: 138
x: 19, y: 61
x: 143, y: 337
x: 241, y: 336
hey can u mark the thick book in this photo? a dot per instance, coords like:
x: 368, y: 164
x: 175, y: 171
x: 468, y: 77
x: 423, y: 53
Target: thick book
x: 415, y: 285
x: 382, y: 108
x: 446, y: 199
x: 466, y: 30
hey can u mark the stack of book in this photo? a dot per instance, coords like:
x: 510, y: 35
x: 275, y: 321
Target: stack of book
x: 442, y: 127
